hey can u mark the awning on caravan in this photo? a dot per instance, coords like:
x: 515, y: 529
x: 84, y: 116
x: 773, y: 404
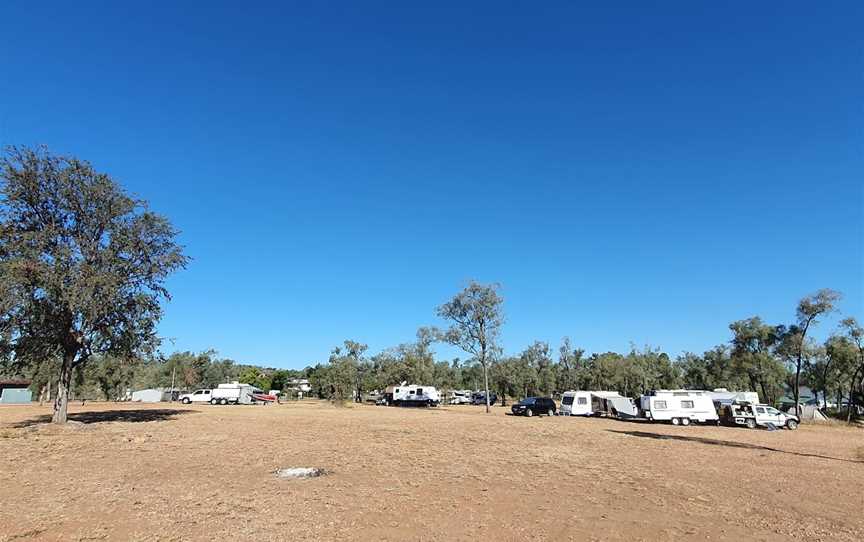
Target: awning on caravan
x: 622, y: 405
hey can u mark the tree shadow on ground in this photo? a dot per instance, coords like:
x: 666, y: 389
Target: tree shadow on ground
x: 727, y: 443
x: 129, y: 416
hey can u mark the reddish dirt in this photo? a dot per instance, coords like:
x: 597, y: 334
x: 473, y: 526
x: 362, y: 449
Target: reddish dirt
x: 159, y: 472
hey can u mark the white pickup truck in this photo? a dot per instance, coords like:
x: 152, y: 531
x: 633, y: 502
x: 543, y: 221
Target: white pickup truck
x: 197, y: 396
x: 755, y: 415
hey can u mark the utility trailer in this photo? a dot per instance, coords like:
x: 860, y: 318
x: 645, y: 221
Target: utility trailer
x: 234, y: 393
x: 754, y: 415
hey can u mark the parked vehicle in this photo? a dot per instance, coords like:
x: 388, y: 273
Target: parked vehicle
x: 534, y: 405
x: 460, y: 397
x: 234, y: 393
x: 412, y: 395
x: 681, y: 407
x: 479, y: 398
x: 756, y: 415
x: 576, y: 403
x: 597, y: 403
x: 197, y: 396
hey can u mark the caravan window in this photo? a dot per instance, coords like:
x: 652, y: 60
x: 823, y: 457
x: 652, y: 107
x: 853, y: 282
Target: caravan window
x: 419, y: 391
x: 582, y: 401
x: 660, y: 404
x: 686, y: 404
x: 567, y: 400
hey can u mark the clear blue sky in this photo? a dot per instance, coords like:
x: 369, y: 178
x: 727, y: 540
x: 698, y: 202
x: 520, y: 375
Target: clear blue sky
x: 627, y: 173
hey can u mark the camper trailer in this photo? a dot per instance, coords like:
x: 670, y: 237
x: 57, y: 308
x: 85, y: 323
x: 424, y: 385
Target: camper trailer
x: 597, y: 403
x: 411, y: 395
x: 681, y: 407
x: 576, y: 403
x: 234, y: 393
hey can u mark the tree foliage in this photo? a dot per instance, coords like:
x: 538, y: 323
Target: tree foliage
x: 82, y: 265
x: 476, y: 315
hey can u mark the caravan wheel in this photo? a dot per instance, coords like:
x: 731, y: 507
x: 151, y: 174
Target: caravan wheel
x: 685, y: 421
x: 676, y: 421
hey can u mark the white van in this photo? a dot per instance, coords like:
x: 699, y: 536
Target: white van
x: 197, y: 396
x: 678, y: 406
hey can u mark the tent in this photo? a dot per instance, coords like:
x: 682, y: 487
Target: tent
x: 810, y: 413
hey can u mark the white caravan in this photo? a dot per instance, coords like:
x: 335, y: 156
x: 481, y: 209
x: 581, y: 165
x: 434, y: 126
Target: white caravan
x: 576, y: 403
x: 412, y: 395
x: 197, y: 396
x: 596, y: 403
x: 678, y: 406
x: 460, y: 397
x: 234, y: 393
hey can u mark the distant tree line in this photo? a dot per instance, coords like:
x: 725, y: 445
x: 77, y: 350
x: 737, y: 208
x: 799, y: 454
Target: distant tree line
x: 759, y: 357
x: 83, y: 268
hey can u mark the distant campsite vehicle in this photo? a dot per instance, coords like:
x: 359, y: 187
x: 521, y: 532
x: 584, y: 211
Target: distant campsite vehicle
x: 479, y: 398
x: 261, y: 397
x: 534, y: 405
x: 576, y: 403
x: 411, y: 395
x: 755, y: 415
x: 460, y: 397
x: 681, y: 407
x: 597, y: 403
x: 197, y: 396
x: 722, y: 396
x: 234, y: 393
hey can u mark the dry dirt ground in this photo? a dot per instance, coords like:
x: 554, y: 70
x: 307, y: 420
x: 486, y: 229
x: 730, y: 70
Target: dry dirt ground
x: 159, y: 472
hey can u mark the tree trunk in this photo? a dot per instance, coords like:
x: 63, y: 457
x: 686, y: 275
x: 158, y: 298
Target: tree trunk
x: 851, y: 402
x: 797, y: 390
x: 61, y: 402
x: 486, y: 384
x: 825, y: 384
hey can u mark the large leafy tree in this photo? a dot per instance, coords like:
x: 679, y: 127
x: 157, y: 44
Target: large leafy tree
x: 855, y: 336
x: 752, y: 355
x: 82, y: 265
x: 476, y: 315
x: 793, y: 344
